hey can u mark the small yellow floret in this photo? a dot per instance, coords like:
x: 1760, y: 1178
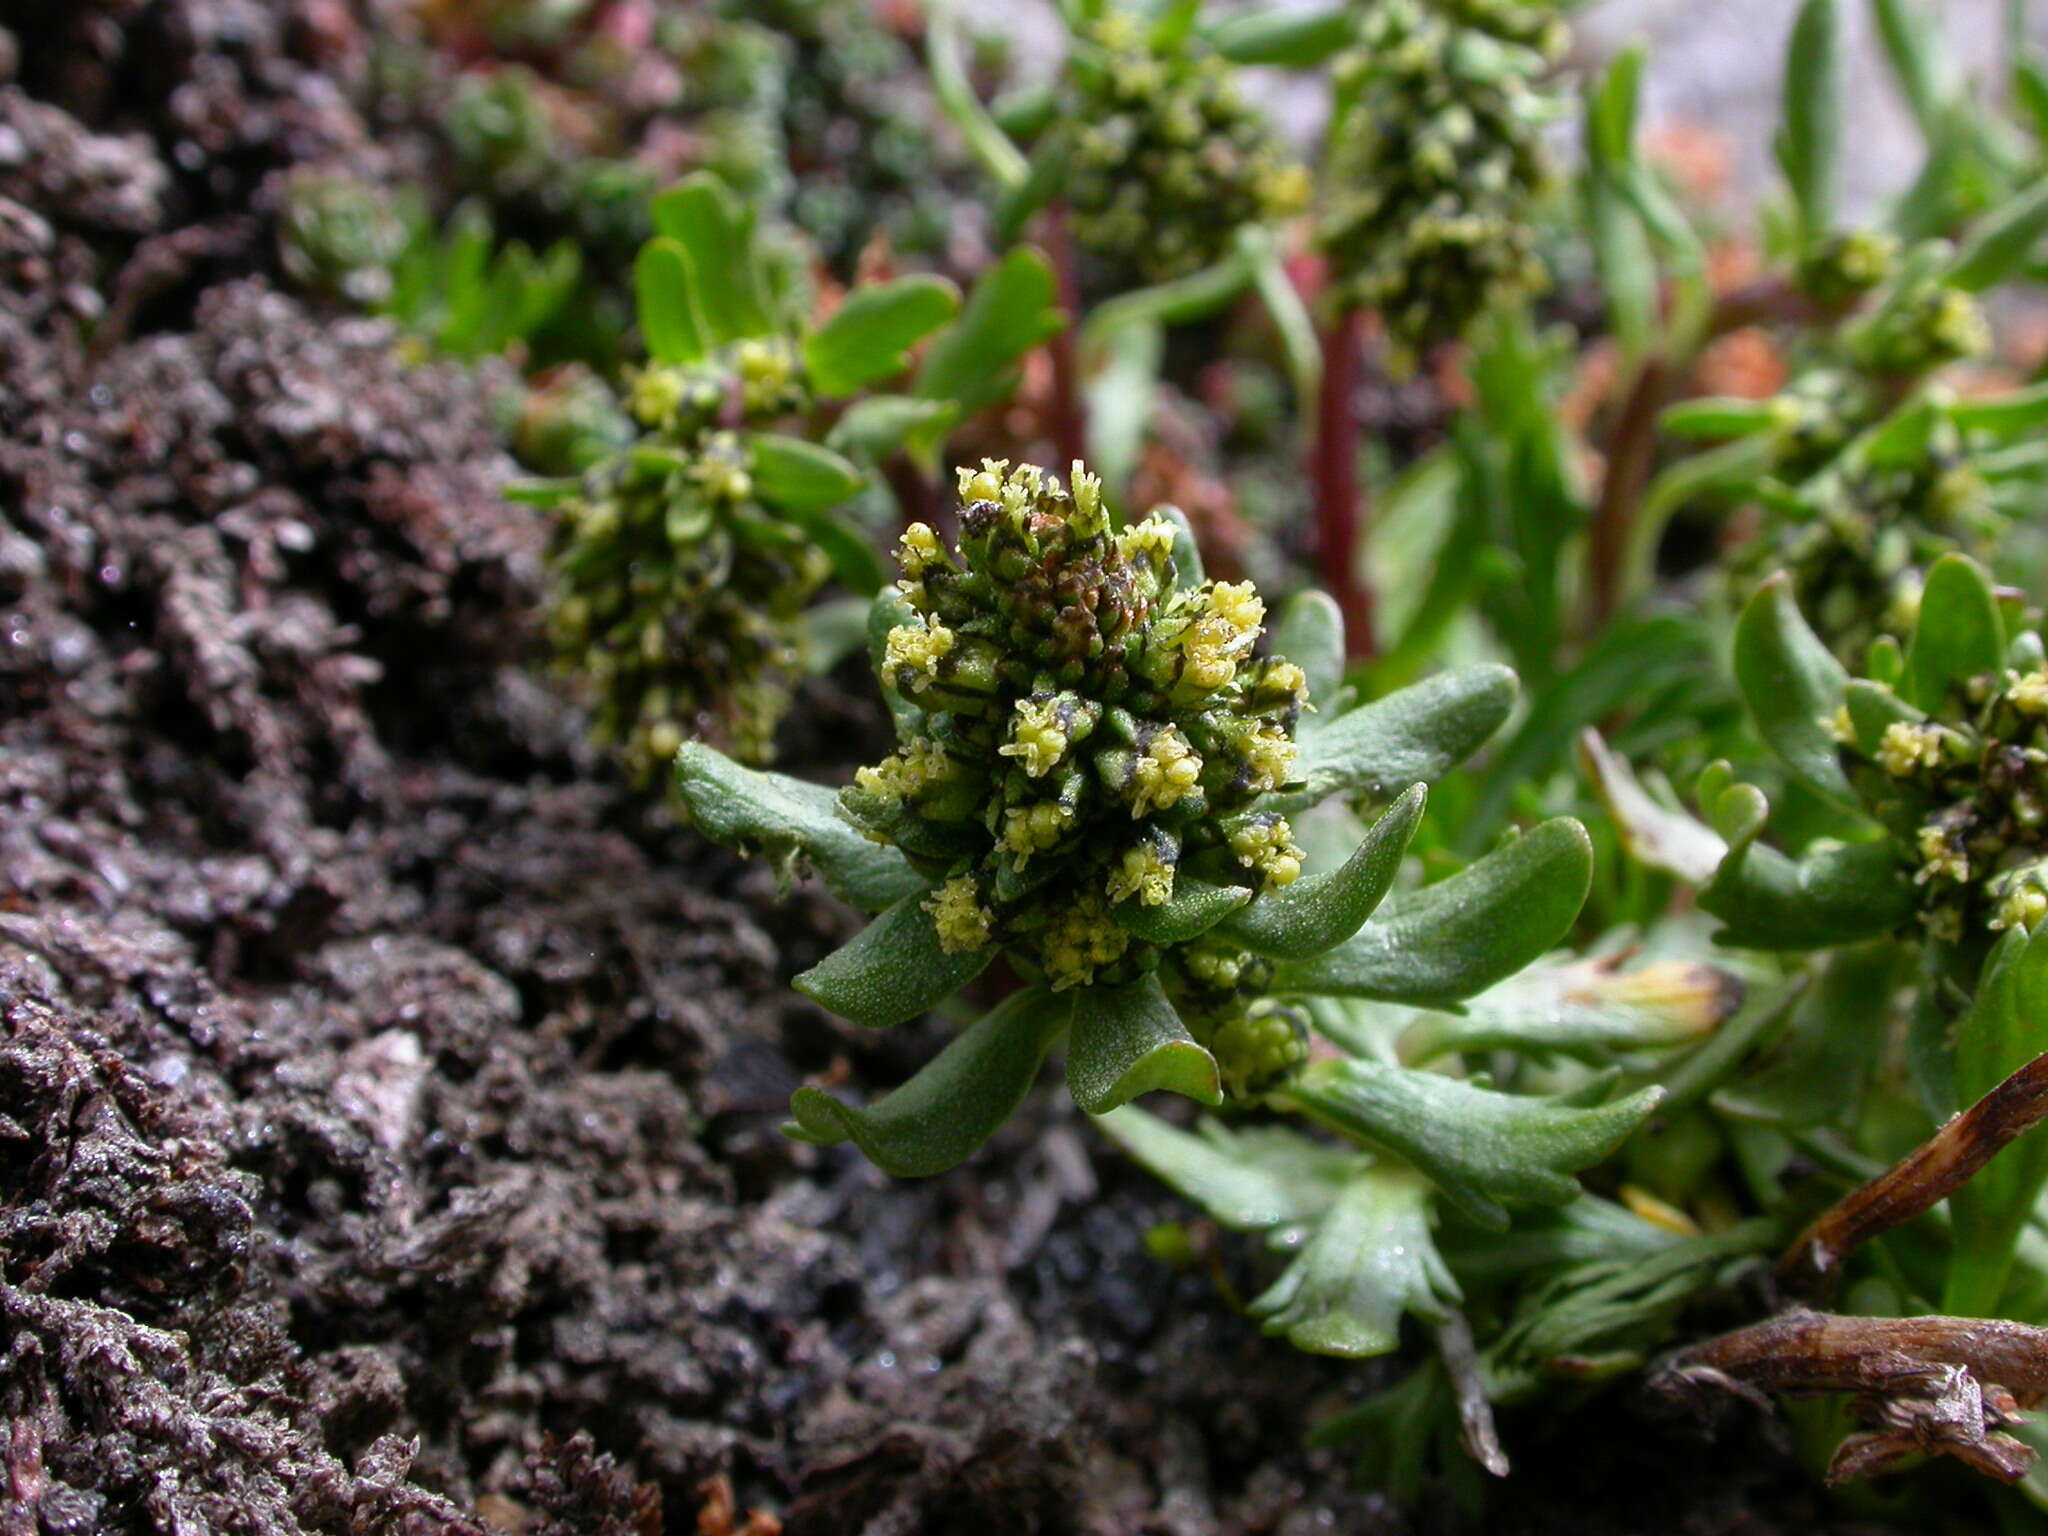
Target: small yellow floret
x: 1270, y: 757
x: 1266, y: 844
x: 1036, y: 736
x: 904, y: 774
x: 1154, y: 536
x: 1939, y: 859
x: 1029, y: 829
x: 1080, y: 939
x: 963, y: 923
x: 2029, y: 695
x: 1142, y: 873
x: 917, y: 550
x: 918, y: 646
x: 1907, y: 746
x: 1165, y: 772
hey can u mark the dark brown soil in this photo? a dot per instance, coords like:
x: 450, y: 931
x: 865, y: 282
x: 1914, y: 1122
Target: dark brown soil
x: 388, y: 1100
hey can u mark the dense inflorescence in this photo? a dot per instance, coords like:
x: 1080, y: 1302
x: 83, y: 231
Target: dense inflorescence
x: 1964, y: 788
x: 1167, y: 157
x: 1436, y: 162
x: 678, y: 592
x: 1083, y: 731
x: 1860, y: 497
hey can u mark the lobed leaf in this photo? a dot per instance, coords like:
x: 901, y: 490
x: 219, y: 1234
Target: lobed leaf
x: 1013, y: 307
x: 1413, y: 736
x: 716, y: 234
x: 1318, y: 912
x: 1191, y: 911
x: 892, y: 970
x: 1483, y: 1150
x: 1958, y: 634
x: 1128, y: 1041
x: 661, y: 288
x: 958, y: 1100
x: 790, y: 821
x: 1260, y: 1178
x: 1450, y: 940
x: 1793, y: 685
x: 1810, y: 140
x: 869, y: 337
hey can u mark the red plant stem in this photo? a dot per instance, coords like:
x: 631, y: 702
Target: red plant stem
x: 1340, y: 502
x: 1632, y: 444
x: 1069, y: 421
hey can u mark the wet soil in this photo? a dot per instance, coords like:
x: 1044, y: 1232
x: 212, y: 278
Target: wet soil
x: 389, y: 1100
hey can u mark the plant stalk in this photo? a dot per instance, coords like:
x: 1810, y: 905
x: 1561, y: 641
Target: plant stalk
x: 1341, y: 511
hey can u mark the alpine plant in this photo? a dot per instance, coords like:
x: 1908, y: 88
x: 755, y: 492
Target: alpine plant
x: 1101, y: 777
x: 1436, y: 163
x: 1166, y: 158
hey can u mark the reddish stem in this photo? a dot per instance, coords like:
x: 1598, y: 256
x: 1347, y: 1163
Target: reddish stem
x: 1340, y: 501
x: 1069, y: 423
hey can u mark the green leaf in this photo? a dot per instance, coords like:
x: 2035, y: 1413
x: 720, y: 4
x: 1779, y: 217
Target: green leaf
x: 946, y: 54
x: 1191, y: 911
x: 1586, y: 1009
x: 661, y: 286
x: 2001, y: 244
x: 1251, y: 1179
x: 1318, y: 912
x: 853, y: 559
x: 870, y: 336
x: 872, y: 429
x: 1958, y: 634
x: 1484, y: 1150
x: 1128, y: 1041
x: 1872, y: 710
x: 941, y: 1117
x: 1188, y: 570
x: 1371, y: 1259
x: 2005, y: 1027
x: 1719, y: 417
x: 800, y: 476
x: 1835, y: 1038
x: 1413, y: 736
x: 1914, y: 51
x: 892, y: 970
x: 1013, y: 307
x: 1611, y: 111
x: 1310, y: 633
x: 1793, y: 686
x: 1290, y: 39
x: 1902, y: 439
x: 1810, y: 140
x: 2018, y: 412
x: 790, y: 821
x: 716, y: 234
x: 1836, y: 894
x: 1450, y: 940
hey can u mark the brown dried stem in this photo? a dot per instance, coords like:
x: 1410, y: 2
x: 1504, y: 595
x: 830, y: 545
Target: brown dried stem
x: 1920, y: 1180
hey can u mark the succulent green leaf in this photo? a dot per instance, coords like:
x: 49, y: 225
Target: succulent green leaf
x: 1013, y: 307
x: 1836, y: 894
x: 1793, y: 685
x: 661, y: 288
x: 1902, y: 439
x: 1128, y: 1041
x: 800, y: 476
x: 716, y: 233
x: 1191, y: 911
x: 1188, y: 570
x: 1717, y: 417
x: 853, y: 559
x: 1918, y: 60
x: 1832, y: 1042
x: 1290, y: 39
x: 1458, y: 937
x: 1253, y: 1179
x: 2005, y: 1027
x: 1958, y: 635
x: 790, y: 821
x: 941, y: 1117
x: 1413, y: 736
x: 1371, y: 1259
x: 1611, y: 111
x: 2000, y: 245
x: 869, y: 337
x: 2017, y: 412
x: 1318, y: 912
x: 1485, y: 1151
x: 870, y: 430
x: 892, y: 970
x: 1810, y: 140
x: 1310, y: 634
